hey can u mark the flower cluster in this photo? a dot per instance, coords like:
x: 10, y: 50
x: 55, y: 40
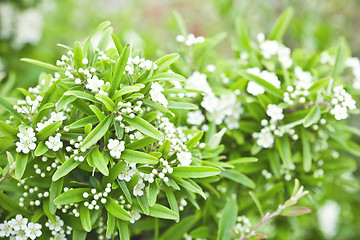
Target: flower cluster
x: 134, y: 65
x: 157, y: 95
x: 20, y: 228
x: 190, y: 39
x: 28, y: 107
x: 27, y: 140
x: 341, y: 103
x: 93, y: 197
x: 128, y: 109
x: 254, y: 88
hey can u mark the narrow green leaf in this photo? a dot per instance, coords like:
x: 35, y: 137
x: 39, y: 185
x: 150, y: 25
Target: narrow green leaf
x: 117, y: 43
x: 152, y: 193
x: 78, y: 55
x: 116, y: 210
x: 65, y: 168
x: 284, y: 149
x: 160, y: 211
x: 8, y: 130
x: 100, y: 162
x: 271, y: 89
x: 125, y: 190
x: 127, y: 89
x: 41, y: 149
x: 195, y: 172
x: 97, y: 133
x: 84, y: 121
x: 281, y: 25
x: 48, y: 130
x: 109, y: 104
x: 227, y: 221
x: 9, y: 107
x: 340, y: 60
x: 99, y: 114
x: 42, y: 64
x: 242, y: 160
x: 71, y: 196
x: 119, y: 70
x: 172, y: 200
x: 143, y: 203
x: 138, y: 157
x: 141, y: 143
x: 180, y: 22
x: 177, y: 231
x: 55, y: 190
x: 105, y: 39
x: 306, y: 151
x: 20, y: 165
x: 64, y: 101
x: 144, y: 127
x: 81, y: 94
x: 312, y: 117
x: 164, y: 62
x: 238, y: 177
x: 78, y: 234
x: 111, y: 224
x: 85, y: 217
x: 242, y: 34
x: 123, y: 230
x: 12, y: 206
x: 194, y: 140
x: 156, y: 106
x: 257, y: 203
x: 168, y: 76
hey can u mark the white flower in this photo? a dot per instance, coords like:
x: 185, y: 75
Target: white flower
x: 59, y: 236
x: 94, y: 84
x: 195, y: 117
x: 116, y: 147
x: 138, y: 189
x: 40, y: 126
x: 328, y: 216
x: 54, y: 143
x: 304, y: 78
x: 134, y: 216
x: 5, y: 229
x: 33, y: 230
x: 18, y: 223
x: 56, y: 226
x: 128, y: 172
x: 57, y: 117
x: 269, y: 48
x: 339, y: 112
x: 275, y: 112
x: 157, y: 95
x: 197, y: 81
x: 255, y: 89
x: 264, y: 138
x: 27, y: 140
x: 184, y: 158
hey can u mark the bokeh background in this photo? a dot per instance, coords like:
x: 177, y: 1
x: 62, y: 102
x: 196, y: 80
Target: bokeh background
x: 32, y: 28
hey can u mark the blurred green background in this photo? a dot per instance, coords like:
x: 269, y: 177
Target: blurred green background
x: 32, y: 28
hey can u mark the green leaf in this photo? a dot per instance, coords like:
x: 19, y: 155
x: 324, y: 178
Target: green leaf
x: 65, y: 168
x: 97, y: 133
x: 9, y: 107
x: 105, y: 39
x: 164, y: 62
x: 85, y: 217
x: 257, y: 203
x: 78, y: 234
x: 111, y: 224
x: 141, y: 143
x: 49, y: 215
x: 127, y: 90
x: 41, y: 149
x: 123, y: 230
x: 48, y: 130
x: 320, y: 84
x: 182, y: 105
x: 195, y: 172
x: 64, y: 101
x: 109, y: 104
x: 8, y: 130
x: 172, y: 200
x: 117, y: 43
x: 144, y: 127
x: 125, y: 190
x: 340, y: 60
x: 284, y: 149
x: 242, y: 160
x: 271, y: 89
x: 152, y: 192
x: 168, y: 76
x: 116, y: 210
x: 119, y: 70
x: 160, y: 211
x: 281, y: 25
x: 238, y: 177
x: 156, y: 106
x: 42, y: 64
x: 99, y: 28
x: 227, y: 221
x: 138, y: 157
x: 177, y: 231
x: 99, y: 114
x: 295, y: 211
x: 180, y: 23
x: 312, y: 117
x: 84, y: 121
x: 306, y: 151
x: 100, y: 162
x: 81, y: 94
x: 143, y: 203
x: 242, y: 34
x: 71, y: 196
x: 78, y: 55
x: 55, y: 190
x: 20, y: 165
x: 12, y: 205
x: 194, y: 140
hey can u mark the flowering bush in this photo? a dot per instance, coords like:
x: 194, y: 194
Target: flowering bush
x: 114, y: 144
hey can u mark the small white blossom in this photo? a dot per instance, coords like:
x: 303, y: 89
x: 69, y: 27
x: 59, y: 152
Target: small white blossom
x: 27, y: 140
x: 184, y: 158
x: 138, y: 189
x: 54, y: 143
x: 134, y: 216
x: 116, y: 147
x: 157, y: 95
x: 275, y: 112
x: 195, y: 117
